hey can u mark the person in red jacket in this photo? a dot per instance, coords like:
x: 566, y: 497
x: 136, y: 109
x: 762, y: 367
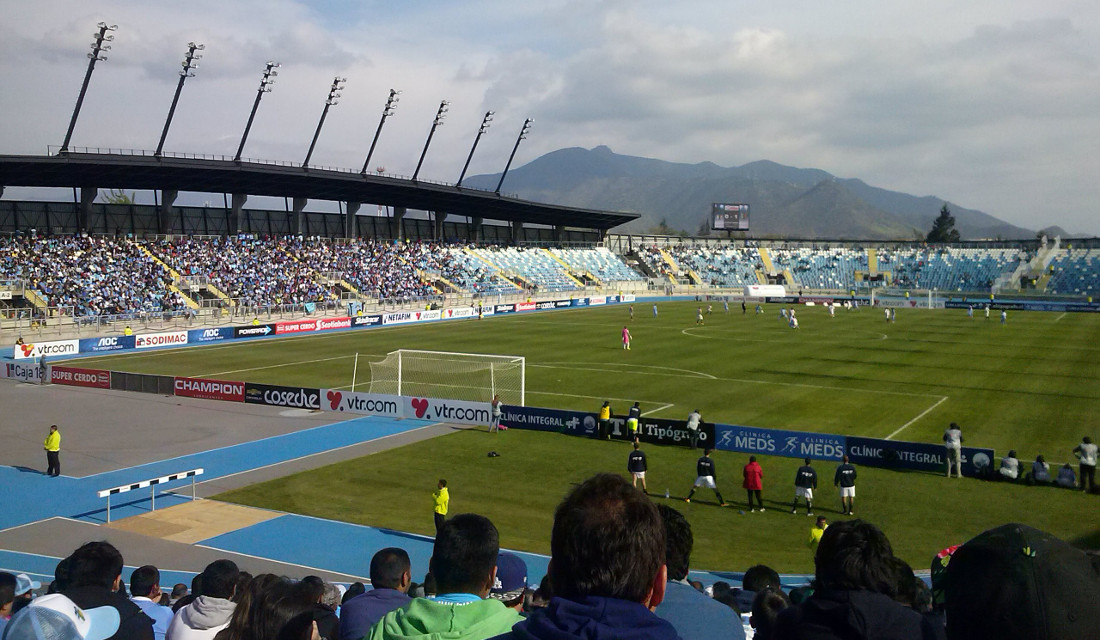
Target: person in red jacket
x: 754, y: 483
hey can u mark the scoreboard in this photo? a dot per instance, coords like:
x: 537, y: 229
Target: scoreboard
x: 729, y: 217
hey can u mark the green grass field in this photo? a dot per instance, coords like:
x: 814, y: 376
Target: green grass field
x: 1030, y: 386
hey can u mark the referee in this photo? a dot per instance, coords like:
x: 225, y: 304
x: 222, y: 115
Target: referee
x: 52, y: 445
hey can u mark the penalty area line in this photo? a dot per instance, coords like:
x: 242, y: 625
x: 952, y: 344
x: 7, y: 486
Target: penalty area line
x: 660, y: 408
x: 922, y: 414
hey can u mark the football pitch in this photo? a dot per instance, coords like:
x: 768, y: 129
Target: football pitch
x: 1030, y: 385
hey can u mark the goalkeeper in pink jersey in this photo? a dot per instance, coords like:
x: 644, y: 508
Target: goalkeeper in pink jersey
x: 626, y: 338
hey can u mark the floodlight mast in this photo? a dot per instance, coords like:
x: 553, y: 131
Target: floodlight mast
x: 439, y: 115
x: 522, y: 136
x: 189, y: 63
x: 265, y: 87
x: 97, y: 48
x: 333, y: 94
x: 391, y: 105
x: 481, y: 130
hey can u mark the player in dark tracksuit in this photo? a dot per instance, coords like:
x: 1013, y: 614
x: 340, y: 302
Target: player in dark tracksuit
x: 805, y: 481
x: 845, y: 479
x: 704, y: 470
x: 636, y: 465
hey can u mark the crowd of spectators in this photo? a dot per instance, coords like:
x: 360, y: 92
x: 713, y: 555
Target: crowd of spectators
x: 619, y: 569
x: 86, y: 275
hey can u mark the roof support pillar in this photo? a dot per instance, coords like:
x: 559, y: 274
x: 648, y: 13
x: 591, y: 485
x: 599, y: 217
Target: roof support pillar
x: 517, y: 231
x: 84, y: 214
x: 238, y: 210
x: 164, y: 215
x: 438, y: 217
x: 298, y: 219
x: 475, y: 229
x: 397, y: 229
x: 351, y: 230
x: 559, y: 232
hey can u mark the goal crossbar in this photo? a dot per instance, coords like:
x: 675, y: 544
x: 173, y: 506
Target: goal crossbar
x: 451, y: 375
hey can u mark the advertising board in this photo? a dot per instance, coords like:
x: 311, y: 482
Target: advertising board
x: 374, y: 404
x: 49, y: 349
x: 77, y: 377
x: 920, y: 456
x: 597, y: 300
x: 504, y: 308
x: 628, y: 297
x: 195, y: 336
x: 525, y: 306
x: 295, y: 326
x: 779, y: 442
x: 400, y: 317
x: 279, y: 396
x: 366, y: 321
x: 254, y: 331
x: 460, y: 312
x: 538, y: 419
x: 172, y: 338
x: 108, y: 343
x: 23, y: 371
x: 456, y: 411
x: 663, y: 432
x: 225, y: 390
x: 329, y: 324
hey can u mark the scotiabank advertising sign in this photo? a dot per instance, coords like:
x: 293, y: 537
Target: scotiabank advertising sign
x: 276, y: 396
x: 160, y: 339
x: 326, y: 324
x: 39, y: 349
x: 224, y: 390
x: 525, y: 306
x: 75, y: 377
x: 374, y: 404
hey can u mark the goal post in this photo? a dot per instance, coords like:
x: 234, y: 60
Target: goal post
x: 451, y: 375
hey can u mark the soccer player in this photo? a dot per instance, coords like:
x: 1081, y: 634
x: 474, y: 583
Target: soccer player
x: 893, y: 315
x: 952, y: 444
x: 699, y: 315
x: 693, y: 422
x: 845, y: 479
x: 626, y: 338
x: 987, y: 311
x: 805, y: 481
x: 632, y: 421
x: 710, y: 309
x: 631, y: 312
x: 1004, y: 317
x: 654, y: 311
x: 970, y: 311
x: 744, y: 308
x: 494, y: 414
x: 704, y: 469
x: 886, y: 314
x: 832, y: 310
x: 636, y: 465
x: 726, y: 306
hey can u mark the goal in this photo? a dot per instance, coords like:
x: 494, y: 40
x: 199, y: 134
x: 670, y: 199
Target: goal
x: 453, y: 376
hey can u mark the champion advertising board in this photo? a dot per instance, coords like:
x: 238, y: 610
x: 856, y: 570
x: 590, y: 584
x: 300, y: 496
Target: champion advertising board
x: 372, y: 404
x: 77, y: 377
x: 108, y: 343
x: 208, y: 389
x: 922, y: 456
x: 279, y: 396
x: 23, y: 372
x: 778, y: 442
x: 456, y: 411
x: 49, y: 349
x: 173, y: 338
x: 254, y: 331
x: 209, y: 335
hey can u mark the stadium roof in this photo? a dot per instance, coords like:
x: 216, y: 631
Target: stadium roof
x: 114, y: 171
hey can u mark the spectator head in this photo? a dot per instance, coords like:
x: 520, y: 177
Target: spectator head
x: 390, y: 568
x: 7, y: 593
x: 464, y: 558
x: 678, y: 542
x: 219, y: 579
x: 608, y: 540
x: 279, y: 612
x: 56, y: 617
x: 765, y: 609
x: 144, y: 580
x: 906, y: 583
x: 356, y: 588
x: 312, y: 588
x: 24, y: 586
x: 1015, y: 581
x: 760, y: 577
x: 1011, y: 453
x: 855, y: 555
x: 95, y: 564
x: 179, y: 591
x: 244, y: 578
x: 333, y: 594
x: 511, y: 580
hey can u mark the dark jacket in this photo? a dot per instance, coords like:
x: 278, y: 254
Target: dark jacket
x: 359, y: 614
x: 850, y: 615
x: 592, y: 618
x: 696, y: 616
x: 328, y: 625
x: 133, y: 623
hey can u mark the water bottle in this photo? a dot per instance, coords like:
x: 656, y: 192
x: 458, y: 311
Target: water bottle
x: 666, y: 493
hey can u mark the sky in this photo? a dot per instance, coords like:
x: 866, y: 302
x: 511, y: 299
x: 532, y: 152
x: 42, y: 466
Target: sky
x: 991, y: 104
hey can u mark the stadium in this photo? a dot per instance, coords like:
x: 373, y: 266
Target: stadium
x: 284, y: 388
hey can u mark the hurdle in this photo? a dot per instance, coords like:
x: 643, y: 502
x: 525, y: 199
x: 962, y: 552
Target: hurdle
x: 152, y: 483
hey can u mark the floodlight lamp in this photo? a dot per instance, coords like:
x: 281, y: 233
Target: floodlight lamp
x: 105, y: 47
x: 109, y: 38
x: 113, y: 27
x: 272, y: 74
x: 102, y: 25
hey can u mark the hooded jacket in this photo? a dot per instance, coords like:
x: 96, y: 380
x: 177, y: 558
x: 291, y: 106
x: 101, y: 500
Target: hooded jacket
x: 424, y: 619
x: 844, y: 615
x: 202, y: 619
x: 593, y: 618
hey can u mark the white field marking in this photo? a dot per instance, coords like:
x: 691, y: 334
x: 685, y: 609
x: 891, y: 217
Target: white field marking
x: 275, y: 464
x: 687, y: 332
x: 273, y: 366
x: 577, y: 395
x: 292, y: 564
x: 660, y: 408
x: 573, y: 365
x: 1061, y: 316
x: 922, y: 414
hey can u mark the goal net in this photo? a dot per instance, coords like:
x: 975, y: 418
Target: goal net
x: 453, y: 376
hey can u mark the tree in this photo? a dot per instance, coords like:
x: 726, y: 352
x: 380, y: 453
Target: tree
x: 943, y: 229
x: 118, y: 196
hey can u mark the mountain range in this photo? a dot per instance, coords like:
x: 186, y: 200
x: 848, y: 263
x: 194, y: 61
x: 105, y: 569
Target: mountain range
x: 785, y: 201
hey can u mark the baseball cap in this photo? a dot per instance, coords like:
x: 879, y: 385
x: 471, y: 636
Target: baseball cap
x: 511, y: 577
x: 23, y: 584
x: 1018, y: 582
x: 55, y: 617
